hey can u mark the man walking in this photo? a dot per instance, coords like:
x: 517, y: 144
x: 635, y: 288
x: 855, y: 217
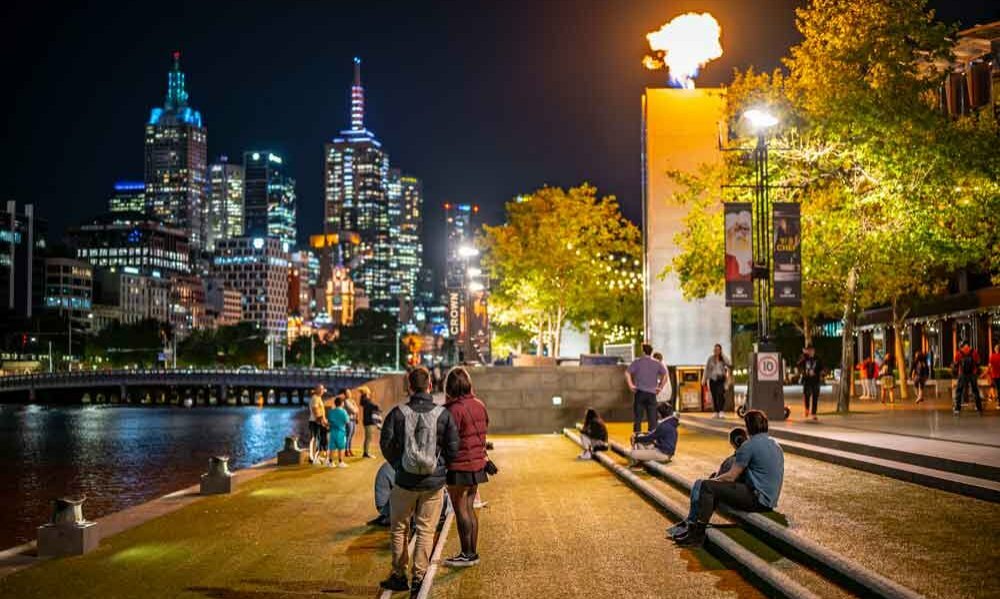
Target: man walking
x: 419, y: 439
x: 967, y: 368
x: 645, y: 377
x: 811, y: 368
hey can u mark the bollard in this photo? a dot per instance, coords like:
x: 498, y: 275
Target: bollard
x: 218, y: 480
x: 292, y: 454
x: 68, y: 533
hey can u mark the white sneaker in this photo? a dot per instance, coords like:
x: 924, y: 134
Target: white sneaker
x: 342, y: 465
x: 478, y: 505
x: 584, y: 456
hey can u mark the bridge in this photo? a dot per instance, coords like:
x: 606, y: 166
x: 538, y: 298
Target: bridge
x: 197, y: 386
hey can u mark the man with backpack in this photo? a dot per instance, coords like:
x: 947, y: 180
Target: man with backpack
x: 967, y: 368
x: 419, y: 439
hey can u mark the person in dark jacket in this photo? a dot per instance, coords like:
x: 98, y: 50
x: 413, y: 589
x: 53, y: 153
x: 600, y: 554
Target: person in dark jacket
x: 663, y: 439
x: 468, y: 470
x: 737, y: 437
x: 966, y: 367
x: 371, y: 417
x: 920, y: 370
x: 593, y: 435
x: 406, y: 441
x: 811, y: 368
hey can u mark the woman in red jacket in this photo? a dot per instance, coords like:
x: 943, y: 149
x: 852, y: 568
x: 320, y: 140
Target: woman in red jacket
x: 468, y: 469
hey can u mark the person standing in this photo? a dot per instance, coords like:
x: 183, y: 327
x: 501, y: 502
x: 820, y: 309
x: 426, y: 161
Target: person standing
x: 666, y: 390
x: 371, y: 417
x: 967, y: 370
x: 419, y: 439
x: 995, y: 373
x: 468, y: 470
x: 717, y: 370
x: 919, y: 372
x: 339, y: 420
x: 645, y: 378
x: 811, y: 367
x: 352, y: 424
x: 886, y: 378
x: 317, y: 424
x: 761, y: 464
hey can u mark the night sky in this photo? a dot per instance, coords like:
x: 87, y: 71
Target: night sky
x: 480, y: 100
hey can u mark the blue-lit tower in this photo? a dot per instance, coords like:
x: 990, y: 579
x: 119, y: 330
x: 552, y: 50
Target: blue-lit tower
x: 176, y: 160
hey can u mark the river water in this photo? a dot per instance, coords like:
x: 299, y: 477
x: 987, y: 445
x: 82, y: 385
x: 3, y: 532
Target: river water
x: 121, y: 456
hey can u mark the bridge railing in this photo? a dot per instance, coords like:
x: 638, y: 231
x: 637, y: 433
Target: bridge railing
x: 117, y: 376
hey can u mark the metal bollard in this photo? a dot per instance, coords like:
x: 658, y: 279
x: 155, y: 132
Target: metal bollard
x: 218, y: 480
x: 292, y: 454
x: 67, y: 533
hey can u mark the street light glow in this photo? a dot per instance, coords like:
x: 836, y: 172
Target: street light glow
x: 467, y: 251
x: 476, y: 286
x: 760, y: 119
x: 475, y: 272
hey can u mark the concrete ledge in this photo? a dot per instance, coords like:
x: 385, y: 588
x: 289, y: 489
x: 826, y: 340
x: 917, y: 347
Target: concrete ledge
x: 970, y: 486
x: 834, y: 565
x: 770, y: 577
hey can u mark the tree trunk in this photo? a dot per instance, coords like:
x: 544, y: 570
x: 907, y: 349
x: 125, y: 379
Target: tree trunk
x: 807, y: 332
x: 541, y: 339
x: 897, y: 325
x: 557, y: 333
x: 847, y: 347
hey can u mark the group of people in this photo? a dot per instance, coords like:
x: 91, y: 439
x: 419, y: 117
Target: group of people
x: 333, y: 420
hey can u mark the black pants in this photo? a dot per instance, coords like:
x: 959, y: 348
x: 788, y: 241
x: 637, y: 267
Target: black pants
x: 963, y: 382
x: 718, y: 389
x: 644, y: 404
x: 733, y: 494
x: 810, y: 394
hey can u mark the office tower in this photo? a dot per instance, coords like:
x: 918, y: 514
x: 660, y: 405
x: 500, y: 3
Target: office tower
x: 69, y: 290
x: 268, y: 198
x: 257, y: 267
x: 22, y: 269
x: 465, y: 285
x: 129, y: 196
x: 405, y: 210
x: 120, y: 240
x: 175, y: 162
x: 680, y: 130
x: 356, y: 199
x: 223, y: 214
x: 123, y: 295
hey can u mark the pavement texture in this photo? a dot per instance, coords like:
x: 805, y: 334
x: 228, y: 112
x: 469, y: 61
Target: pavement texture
x: 557, y: 527
x: 937, y: 543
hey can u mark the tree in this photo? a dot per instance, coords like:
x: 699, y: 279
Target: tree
x: 563, y: 256
x: 125, y: 344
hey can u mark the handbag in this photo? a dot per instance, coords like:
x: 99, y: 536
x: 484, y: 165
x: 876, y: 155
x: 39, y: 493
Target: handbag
x: 490, y: 468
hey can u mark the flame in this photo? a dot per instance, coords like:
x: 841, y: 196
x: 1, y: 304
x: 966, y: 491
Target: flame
x: 684, y: 45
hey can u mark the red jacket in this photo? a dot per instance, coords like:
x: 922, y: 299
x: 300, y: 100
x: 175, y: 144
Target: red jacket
x: 469, y: 414
x: 995, y: 365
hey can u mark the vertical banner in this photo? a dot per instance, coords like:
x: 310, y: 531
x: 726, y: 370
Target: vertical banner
x: 787, y: 255
x: 739, y: 254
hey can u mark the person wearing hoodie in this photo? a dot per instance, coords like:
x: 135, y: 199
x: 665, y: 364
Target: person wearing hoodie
x: 419, y: 439
x: 966, y: 367
x: 663, y: 438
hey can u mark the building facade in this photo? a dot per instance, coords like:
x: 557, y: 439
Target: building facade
x: 176, y: 160
x: 128, y: 239
x: 257, y: 268
x: 223, y: 214
x: 406, y: 217
x: 69, y: 290
x: 132, y: 296
x: 22, y: 268
x: 129, y: 196
x: 356, y: 173
x: 268, y: 198
x: 223, y: 304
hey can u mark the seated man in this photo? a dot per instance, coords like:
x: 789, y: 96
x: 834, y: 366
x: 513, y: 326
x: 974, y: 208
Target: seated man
x: 761, y: 462
x: 737, y: 437
x: 384, y: 481
x: 663, y: 438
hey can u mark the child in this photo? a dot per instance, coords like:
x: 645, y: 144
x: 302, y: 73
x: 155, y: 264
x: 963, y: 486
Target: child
x: 737, y: 437
x: 594, y: 434
x: 339, y: 420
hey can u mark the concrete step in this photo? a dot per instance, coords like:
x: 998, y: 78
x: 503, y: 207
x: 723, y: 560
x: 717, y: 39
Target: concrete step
x: 907, y: 448
x: 972, y: 486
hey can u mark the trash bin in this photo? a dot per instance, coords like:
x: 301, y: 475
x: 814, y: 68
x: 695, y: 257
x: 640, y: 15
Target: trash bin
x: 692, y: 395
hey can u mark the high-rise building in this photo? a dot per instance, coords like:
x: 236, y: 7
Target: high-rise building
x: 459, y: 231
x: 356, y: 199
x: 223, y: 214
x: 406, y: 218
x: 268, y: 198
x: 176, y: 161
x: 69, y: 290
x: 468, y: 317
x: 120, y: 240
x: 131, y: 297
x: 129, y: 196
x: 22, y: 269
x: 257, y: 267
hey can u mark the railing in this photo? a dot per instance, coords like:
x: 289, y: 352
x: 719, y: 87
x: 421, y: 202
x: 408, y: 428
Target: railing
x: 297, y: 376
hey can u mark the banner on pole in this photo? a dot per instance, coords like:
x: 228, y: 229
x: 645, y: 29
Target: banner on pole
x: 787, y: 254
x: 739, y: 254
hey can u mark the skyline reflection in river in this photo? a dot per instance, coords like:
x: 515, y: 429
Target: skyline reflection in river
x: 121, y: 456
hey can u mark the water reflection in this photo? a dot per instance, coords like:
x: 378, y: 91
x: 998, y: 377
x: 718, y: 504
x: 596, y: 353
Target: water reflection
x: 121, y: 456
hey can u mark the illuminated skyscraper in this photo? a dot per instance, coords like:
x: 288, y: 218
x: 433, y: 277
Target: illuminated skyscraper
x: 130, y: 196
x: 223, y: 215
x: 356, y: 199
x: 268, y: 198
x: 176, y: 160
x: 406, y: 218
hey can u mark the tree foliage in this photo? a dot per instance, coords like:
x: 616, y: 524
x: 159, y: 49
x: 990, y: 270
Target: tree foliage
x: 564, y: 256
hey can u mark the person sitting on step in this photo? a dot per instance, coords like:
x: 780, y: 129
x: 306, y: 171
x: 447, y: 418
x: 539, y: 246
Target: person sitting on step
x: 594, y: 434
x: 659, y: 444
x: 737, y: 437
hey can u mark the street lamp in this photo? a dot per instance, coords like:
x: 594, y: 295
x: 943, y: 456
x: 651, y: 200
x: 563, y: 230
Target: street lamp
x: 467, y: 251
x: 760, y: 122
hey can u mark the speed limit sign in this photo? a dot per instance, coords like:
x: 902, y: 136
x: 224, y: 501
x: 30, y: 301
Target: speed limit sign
x: 768, y: 366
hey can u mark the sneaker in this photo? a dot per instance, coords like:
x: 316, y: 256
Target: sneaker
x: 462, y: 561
x: 479, y: 504
x: 415, y: 587
x: 395, y: 583
x: 695, y: 536
x: 342, y: 465
x: 584, y: 456
x: 367, y: 455
x: 379, y: 521
x: 956, y: 412
x: 677, y: 529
